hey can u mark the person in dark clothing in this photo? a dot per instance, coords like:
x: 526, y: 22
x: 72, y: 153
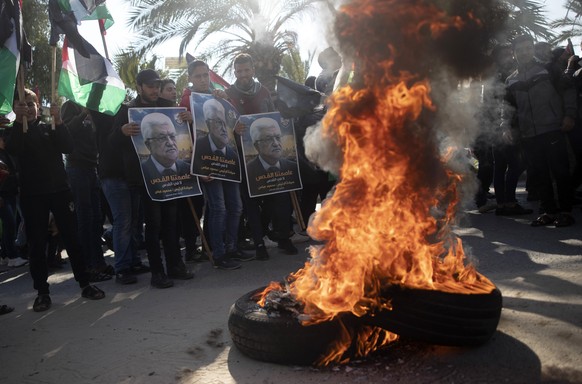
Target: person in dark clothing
x: 546, y: 111
x: 44, y: 188
x: 124, y: 201
x: 249, y: 97
x: 508, y: 162
x: 199, y: 77
x: 8, y: 207
x: 81, y: 166
x: 161, y: 217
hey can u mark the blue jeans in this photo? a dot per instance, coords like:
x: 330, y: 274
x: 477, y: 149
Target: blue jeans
x: 224, y: 211
x: 124, y: 203
x: 86, y: 194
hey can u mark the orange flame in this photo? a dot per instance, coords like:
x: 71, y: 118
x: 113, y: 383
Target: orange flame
x: 389, y: 219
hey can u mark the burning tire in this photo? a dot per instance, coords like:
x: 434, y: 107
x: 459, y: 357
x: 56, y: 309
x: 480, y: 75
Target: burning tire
x: 278, y: 337
x: 441, y: 318
x: 434, y: 317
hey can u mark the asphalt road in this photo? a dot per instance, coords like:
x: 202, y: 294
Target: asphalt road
x: 179, y: 335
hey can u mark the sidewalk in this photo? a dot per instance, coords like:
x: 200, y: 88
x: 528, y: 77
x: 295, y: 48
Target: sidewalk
x: 179, y: 335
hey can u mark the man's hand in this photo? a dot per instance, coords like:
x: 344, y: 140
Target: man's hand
x: 240, y: 128
x: 4, y: 121
x: 20, y: 110
x: 219, y: 93
x: 186, y: 116
x: 55, y: 111
x: 130, y: 129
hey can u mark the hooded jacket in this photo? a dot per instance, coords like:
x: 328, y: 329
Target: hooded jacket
x: 541, y: 99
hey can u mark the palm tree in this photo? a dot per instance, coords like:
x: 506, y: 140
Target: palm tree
x: 128, y: 63
x: 571, y: 24
x: 257, y: 27
x: 525, y: 16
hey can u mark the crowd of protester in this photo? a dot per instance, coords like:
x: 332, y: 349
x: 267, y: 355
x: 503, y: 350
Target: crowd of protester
x: 533, y: 128
x: 74, y: 183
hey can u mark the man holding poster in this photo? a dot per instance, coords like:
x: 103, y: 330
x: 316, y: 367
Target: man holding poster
x: 214, y: 154
x: 159, y: 136
x: 270, y: 172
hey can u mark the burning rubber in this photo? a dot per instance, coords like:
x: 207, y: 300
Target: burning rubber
x: 276, y: 334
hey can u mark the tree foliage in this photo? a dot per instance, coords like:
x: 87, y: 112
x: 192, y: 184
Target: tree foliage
x: 571, y: 24
x: 251, y: 26
x: 37, y: 28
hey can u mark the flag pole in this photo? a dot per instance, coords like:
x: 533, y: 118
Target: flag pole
x: 200, y: 230
x: 102, y: 30
x: 21, y: 95
x: 297, y: 208
x: 53, y: 75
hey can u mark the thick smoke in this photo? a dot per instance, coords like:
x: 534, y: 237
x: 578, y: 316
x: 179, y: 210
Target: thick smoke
x: 445, y: 42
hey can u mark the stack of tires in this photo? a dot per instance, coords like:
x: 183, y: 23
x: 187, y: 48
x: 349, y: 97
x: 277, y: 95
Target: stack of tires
x: 429, y: 316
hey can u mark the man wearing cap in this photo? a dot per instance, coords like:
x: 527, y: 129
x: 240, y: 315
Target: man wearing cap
x: 127, y: 197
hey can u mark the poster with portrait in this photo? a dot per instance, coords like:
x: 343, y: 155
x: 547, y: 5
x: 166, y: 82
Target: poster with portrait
x: 164, y: 149
x: 270, y: 154
x: 215, y: 152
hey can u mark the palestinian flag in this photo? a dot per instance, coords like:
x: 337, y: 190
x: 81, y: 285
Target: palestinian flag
x: 87, y: 10
x: 11, y: 43
x: 90, y: 81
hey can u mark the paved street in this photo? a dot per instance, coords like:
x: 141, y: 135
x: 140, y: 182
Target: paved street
x: 179, y: 335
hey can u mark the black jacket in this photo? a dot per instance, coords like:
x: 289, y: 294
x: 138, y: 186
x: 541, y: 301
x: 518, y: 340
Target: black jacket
x: 39, y: 154
x: 130, y: 163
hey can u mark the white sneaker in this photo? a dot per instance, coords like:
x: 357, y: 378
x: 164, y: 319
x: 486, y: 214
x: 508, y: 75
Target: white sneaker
x: 18, y: 262
x: 269, y: 243
x: 300, y: 237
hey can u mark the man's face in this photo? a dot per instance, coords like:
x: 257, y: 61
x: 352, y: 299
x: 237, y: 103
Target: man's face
x: 169, y: 92
x: 149, y: 93
x: 162, y: 144
x: 244, y: 73
x: 200, y: 79
x: 217, y: 129
x: 505, y: 60
x: 32, y: 108
x: 269, y: 144
x: 523, y: 52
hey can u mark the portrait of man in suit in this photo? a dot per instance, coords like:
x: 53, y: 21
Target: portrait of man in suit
x: 214, y: 155
x: 159, y: 135
x: 270, y: 172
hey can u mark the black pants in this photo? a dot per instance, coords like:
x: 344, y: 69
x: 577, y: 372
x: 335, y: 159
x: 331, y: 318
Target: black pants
x: 547, y: 157
x: 161, y: 221
x: 508, y: 168
x: 35, y: 211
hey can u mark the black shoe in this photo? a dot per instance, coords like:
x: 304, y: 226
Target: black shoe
x: 226, y: 263
x: 287, y: 246
x: 125, y: 277
x: 261, y: 252
x: 196, y: 257
x: 91, y: 292
x: 97, y: 277
x: 108, y: 270
x: 564, y: 220
x: 42, y: 303
x: 180, y: 274
x: 240, y: 256
x: 161, y: 281
x: 140, y: 268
